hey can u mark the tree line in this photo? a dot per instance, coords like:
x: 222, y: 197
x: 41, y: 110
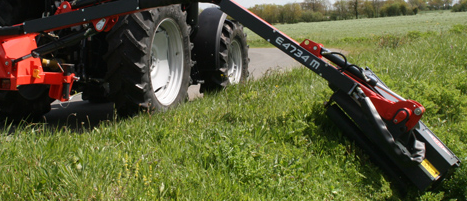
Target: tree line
x: 460, y: 7
x: 322, y: 10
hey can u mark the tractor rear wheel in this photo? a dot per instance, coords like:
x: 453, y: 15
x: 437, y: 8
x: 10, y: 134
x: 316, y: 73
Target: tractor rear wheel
x: 149, y: 61
x: 221, y: 51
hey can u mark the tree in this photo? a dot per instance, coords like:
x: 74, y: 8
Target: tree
x: 460, y: 7
x: 315, y: 5
x: 447, y: 4
x: 420, y: 4
x: 436, y: 4
x: 356, y: 7
x: 291, y: 13
x: 377, y: 4
x: 269, y: 12
x: 368, y: 9
x: 310, y: 16
x: 342, y: 10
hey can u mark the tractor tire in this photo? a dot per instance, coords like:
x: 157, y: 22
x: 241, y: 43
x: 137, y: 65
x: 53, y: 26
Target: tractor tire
x: 230, y: 63
x: 149, y: 61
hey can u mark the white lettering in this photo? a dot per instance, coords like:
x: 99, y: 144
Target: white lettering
x: 294, y: 48
x: 279, y: 40
x: 299, y: 53
x: 314, y: 64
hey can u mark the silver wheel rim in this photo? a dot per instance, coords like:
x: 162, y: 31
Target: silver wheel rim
x: 235, y: 63
x: 167, y: 65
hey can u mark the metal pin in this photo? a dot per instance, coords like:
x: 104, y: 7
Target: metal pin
x: 417, y: 111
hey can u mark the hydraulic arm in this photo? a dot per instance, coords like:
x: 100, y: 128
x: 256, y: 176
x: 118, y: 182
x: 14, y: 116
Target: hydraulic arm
x: 380, y: 121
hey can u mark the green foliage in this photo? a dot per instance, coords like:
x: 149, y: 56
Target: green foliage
x: 459, y: 28
x: 390, y: 41
x: 289, y: 13
x: 460, y: 6
x: 265, y: 140
x: 311, y: 16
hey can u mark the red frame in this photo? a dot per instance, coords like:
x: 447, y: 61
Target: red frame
x: 395, y: 112
x: 29, y: 70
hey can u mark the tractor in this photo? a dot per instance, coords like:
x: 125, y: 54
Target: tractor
x: 144, y: 62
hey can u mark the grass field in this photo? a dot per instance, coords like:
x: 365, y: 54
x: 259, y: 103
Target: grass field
x: 265, y: 140
x: 336, y: 33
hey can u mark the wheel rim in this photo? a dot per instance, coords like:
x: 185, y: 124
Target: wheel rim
x: 235, y: 62
x: 167, y: 62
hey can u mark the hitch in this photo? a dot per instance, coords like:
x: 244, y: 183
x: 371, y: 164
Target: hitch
x: 19, y: 67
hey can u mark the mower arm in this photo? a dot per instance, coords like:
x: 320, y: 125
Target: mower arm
x: 380, y: 121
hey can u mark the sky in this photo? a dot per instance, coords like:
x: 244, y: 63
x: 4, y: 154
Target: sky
x: 251, y: 3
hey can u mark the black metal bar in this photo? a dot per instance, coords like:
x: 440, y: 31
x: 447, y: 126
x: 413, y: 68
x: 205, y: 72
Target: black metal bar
x: 11, y: 31
x: 86, y: 15
x: 288, y: 46
x: 81, y: 16
x: 63, y: 42
x: 56, y: 45
x: 83, y: 3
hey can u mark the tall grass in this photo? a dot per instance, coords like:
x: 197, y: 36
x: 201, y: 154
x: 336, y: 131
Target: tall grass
x: 265, y: 140
x: 337, y: 33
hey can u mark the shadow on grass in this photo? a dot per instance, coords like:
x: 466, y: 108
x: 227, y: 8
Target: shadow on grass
x: 372, y: 177
x: 78, y: 116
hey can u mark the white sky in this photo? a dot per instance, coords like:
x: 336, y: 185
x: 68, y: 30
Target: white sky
x: 251, y: 3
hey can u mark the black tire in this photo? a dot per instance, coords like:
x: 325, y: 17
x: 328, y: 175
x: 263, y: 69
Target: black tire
x: 31, y: 101
x: 138, y: 78
x: 231, y: 65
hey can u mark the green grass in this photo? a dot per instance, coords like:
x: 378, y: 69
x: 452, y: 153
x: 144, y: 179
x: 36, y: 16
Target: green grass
x: 336, y: 33
x: 265, y: 140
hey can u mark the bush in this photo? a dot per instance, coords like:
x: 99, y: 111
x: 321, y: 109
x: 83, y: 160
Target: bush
x: 458, y: 28
x: 310, y: 16
x: 390, y: 41
x: 460, y: 7
x: 403, y: 9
